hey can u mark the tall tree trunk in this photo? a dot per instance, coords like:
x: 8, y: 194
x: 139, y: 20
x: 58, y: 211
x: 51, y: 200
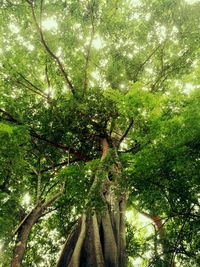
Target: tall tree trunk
x: 23, y: 234
x: 24, y: 229
x: 99, y: 240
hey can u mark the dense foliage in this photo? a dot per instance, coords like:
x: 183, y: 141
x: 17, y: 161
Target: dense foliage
x: 76, y: 72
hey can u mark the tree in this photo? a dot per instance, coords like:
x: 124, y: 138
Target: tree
x: 95, y: 119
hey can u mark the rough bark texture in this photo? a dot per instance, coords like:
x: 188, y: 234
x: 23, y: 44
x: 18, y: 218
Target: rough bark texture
x: 100, y: 240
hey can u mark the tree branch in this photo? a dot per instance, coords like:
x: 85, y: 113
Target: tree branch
x: 47, y: 76
x: 60, y: 164
x: 50, y: 52
x: 89, y: 52
x: 126, y: 132
x: 10, y: 118
x: 61, y: 146
x: 146, y: 60
x: 157, y: 220
x: 28, y: 84
x: 166, y: 70
x: 51, y: 200
x: 31, y: 89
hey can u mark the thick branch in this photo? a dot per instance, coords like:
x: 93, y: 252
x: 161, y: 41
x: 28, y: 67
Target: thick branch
x: 105, y: 147
x: 47, y: 76
x: 21, y: 223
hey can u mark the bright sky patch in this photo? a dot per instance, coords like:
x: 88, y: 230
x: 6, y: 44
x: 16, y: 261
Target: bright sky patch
x: 50, y: 24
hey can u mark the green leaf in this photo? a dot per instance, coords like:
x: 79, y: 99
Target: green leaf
x: 5, y: 128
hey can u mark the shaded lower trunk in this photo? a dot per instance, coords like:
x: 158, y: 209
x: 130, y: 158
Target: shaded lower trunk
x: 97, y: 240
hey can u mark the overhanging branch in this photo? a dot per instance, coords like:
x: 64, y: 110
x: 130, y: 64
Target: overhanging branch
x: 26, y: 83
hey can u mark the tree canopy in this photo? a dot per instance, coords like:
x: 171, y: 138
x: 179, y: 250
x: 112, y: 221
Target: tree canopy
x: 99, y: 122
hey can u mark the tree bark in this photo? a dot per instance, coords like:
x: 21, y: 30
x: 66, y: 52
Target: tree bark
x: 97, y: 243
